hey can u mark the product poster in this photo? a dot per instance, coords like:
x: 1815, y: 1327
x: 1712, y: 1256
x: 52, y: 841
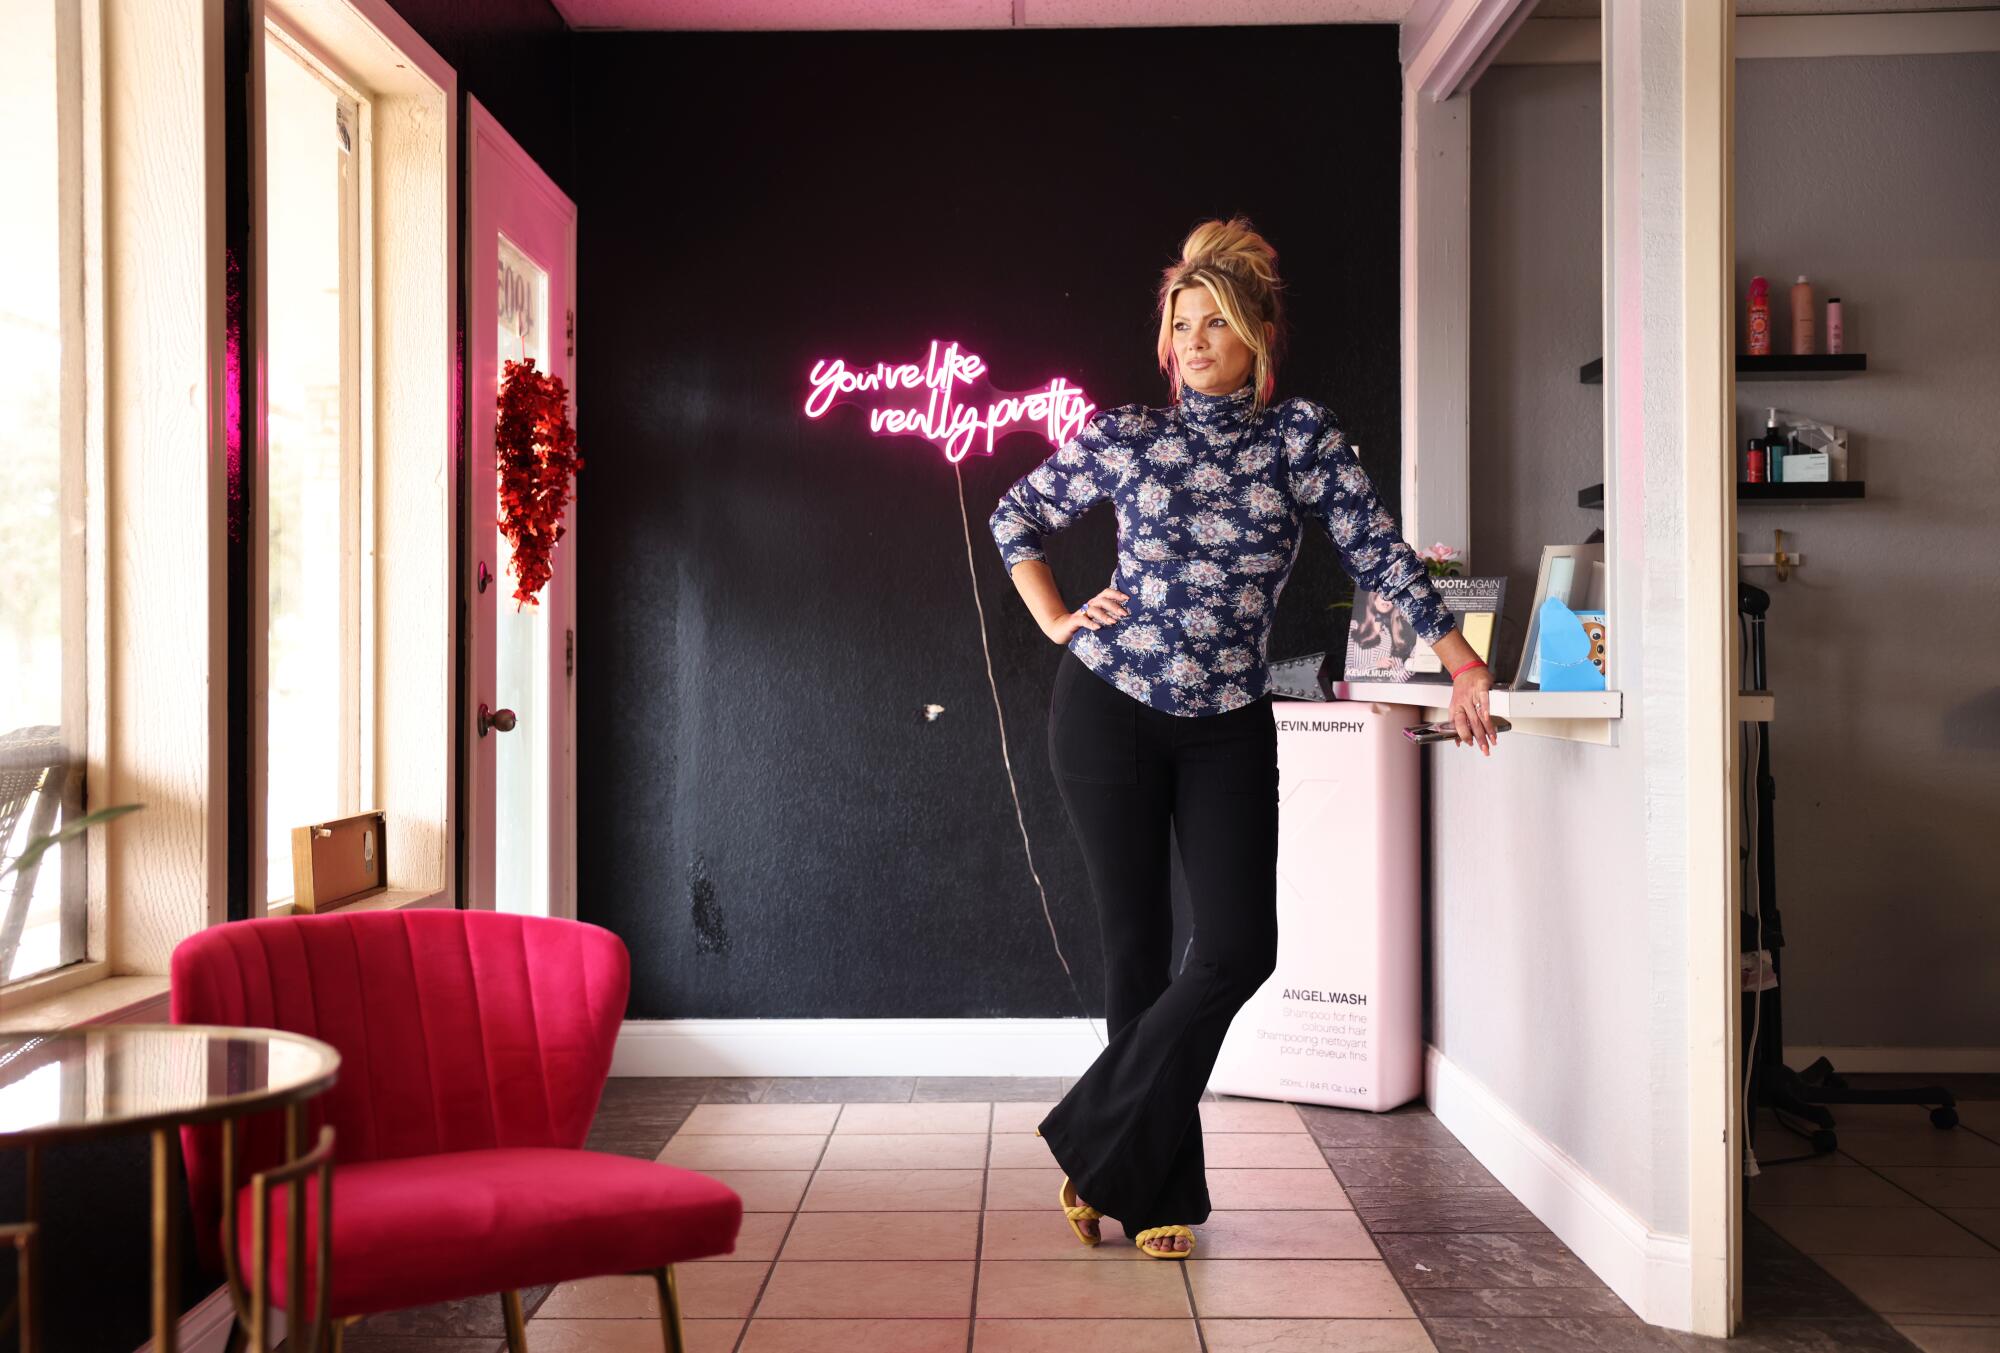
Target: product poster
x: 1382, y: 645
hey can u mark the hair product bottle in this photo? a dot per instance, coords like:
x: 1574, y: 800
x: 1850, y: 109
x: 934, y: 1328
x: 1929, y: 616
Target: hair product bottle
x: 1760, y: 317
x: 1774, y: 449
x: 1836, y: 334
x: 1754, y: 462
x: 1802, y: 317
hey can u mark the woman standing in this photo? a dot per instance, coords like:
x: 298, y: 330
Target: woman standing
x: 1160, y: 719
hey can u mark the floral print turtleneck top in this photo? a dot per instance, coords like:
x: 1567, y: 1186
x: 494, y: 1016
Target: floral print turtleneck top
x: 1211, y: 503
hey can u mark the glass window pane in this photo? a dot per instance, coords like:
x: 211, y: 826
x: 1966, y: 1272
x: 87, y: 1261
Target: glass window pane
x: 41, y: 912
x: 309, y: 661
x: 521, y: 644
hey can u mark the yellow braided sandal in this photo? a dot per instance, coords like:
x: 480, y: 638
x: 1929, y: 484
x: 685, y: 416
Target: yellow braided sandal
x: 1175, y: 1230
x: 1077, y: 1211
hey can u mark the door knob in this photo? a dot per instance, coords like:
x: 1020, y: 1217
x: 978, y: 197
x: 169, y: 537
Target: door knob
x: 499, y: 720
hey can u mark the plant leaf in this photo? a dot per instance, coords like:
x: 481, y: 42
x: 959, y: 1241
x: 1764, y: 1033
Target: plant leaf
x: 39, y: 845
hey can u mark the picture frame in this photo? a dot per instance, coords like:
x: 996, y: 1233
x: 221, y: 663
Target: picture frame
x: 1573, y: 575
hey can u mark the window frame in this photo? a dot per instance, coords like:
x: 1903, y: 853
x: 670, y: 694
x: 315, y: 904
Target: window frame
x: 355, y: 773
x: 78, y: 91
x: 406, y: 704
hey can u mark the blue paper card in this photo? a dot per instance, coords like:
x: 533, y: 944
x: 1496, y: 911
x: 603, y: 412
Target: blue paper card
x: 1565, y: 651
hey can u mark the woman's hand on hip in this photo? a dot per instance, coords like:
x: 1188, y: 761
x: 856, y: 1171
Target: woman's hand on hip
x: 1469, y: 714
x: 1106, y: 608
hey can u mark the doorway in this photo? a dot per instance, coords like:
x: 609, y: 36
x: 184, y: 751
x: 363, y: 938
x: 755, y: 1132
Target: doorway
x: 521, y: 821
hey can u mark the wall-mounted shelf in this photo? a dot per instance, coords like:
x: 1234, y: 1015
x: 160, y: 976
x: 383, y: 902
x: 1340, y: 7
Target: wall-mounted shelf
x: 1817, y: 366
x: 1507, y: 704
x: 1837, y: 491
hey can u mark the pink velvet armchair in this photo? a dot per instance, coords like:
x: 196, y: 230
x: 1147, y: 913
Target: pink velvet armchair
x: 474, y: 1047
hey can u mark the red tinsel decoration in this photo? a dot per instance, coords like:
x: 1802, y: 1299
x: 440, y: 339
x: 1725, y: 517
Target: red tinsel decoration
x: 535, y: 449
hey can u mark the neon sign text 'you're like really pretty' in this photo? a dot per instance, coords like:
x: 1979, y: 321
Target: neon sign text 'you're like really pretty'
x: 960, y: 402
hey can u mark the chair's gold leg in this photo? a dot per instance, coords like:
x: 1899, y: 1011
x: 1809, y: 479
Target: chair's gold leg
x: 337, y: 1335
x: 670, y: 1309
x: 517, y: 1328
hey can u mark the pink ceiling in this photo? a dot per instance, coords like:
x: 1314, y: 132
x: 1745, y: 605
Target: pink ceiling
x: 780, y: 14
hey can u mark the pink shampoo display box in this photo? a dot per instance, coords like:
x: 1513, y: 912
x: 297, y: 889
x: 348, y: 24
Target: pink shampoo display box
x: 1340, y: 1020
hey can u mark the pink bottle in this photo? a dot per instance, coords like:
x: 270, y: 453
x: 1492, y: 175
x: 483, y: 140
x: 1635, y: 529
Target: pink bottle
x: 1760, y: 317
x: 1802, y: 317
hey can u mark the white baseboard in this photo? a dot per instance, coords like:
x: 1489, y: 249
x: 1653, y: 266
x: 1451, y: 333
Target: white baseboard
x: 205, y: 1325
x: 1939, y: 1062
x: 1650, y: 1272
x: 857, y: 1047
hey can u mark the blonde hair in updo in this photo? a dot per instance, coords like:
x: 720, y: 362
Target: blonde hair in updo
x: 1240, y: 269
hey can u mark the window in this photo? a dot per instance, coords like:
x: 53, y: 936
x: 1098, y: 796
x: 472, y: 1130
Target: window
x: 521, y: 648
x: 42, y: 563
x: 115, y: 437
x: 318, y: 478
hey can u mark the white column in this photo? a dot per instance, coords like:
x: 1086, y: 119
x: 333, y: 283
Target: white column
x: 1437, y: 317
x: 1668, y: 526
x: 1715, y: 1124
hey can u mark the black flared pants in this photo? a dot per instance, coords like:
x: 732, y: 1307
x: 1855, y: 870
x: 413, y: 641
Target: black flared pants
x: 1128, y: 1133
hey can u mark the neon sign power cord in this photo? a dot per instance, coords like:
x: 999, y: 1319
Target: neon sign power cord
x: 1005, y: 760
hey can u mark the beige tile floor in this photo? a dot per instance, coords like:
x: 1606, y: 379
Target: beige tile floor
x: 967, y: 1250
x: 1904, y: 1215
x: 913, y: 1227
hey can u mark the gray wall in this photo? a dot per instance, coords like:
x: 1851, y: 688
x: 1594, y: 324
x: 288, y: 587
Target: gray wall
x: 1876, y: 177
x: 1537, y: 297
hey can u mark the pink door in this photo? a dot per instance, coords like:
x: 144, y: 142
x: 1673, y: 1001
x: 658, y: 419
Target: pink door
x: 521, y: 266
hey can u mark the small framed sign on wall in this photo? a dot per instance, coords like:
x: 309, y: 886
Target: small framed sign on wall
x: 334, y: 863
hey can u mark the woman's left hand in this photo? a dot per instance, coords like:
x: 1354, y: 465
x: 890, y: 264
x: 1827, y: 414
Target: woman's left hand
x: 1468, y: 709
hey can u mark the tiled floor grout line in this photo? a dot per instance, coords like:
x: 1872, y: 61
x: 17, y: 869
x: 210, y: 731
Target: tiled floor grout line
x: 1422, y: 1323
x: 990, y: 1132
x: 1920, y: 1201
x: 772, y: 1270
x: 979, y: 1228
x: 1878, y: 1172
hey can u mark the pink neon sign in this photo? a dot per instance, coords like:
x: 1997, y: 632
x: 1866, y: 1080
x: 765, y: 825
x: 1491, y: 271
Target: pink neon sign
x: 952, y: 419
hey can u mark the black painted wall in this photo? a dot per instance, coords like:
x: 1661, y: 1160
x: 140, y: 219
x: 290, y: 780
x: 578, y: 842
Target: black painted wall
x: 514, y: 57
x: 766, y: 602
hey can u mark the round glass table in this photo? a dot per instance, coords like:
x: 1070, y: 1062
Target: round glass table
x: 103, y: 1080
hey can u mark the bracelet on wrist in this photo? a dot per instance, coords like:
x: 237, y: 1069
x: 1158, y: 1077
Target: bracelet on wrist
x: 1467, y: 667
